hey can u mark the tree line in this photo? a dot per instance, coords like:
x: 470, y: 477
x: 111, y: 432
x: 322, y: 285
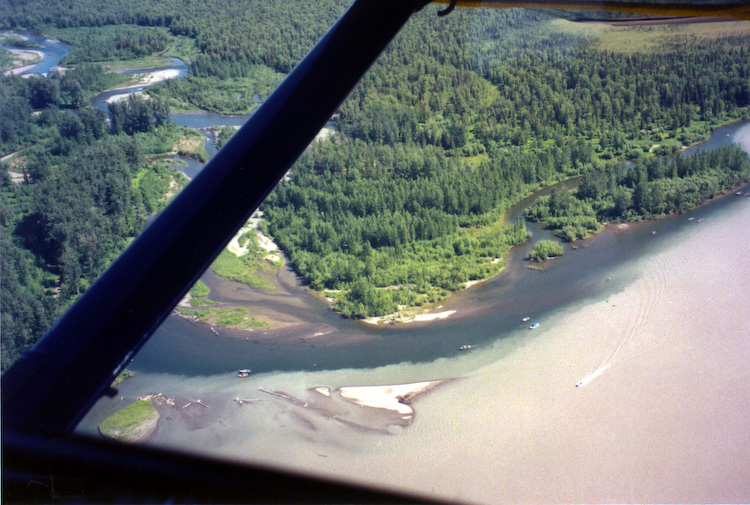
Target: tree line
x: 651, y: 187
x: 108, y: 43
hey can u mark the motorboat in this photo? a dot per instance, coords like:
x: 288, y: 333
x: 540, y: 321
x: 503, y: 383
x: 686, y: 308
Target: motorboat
x: 535, y: 325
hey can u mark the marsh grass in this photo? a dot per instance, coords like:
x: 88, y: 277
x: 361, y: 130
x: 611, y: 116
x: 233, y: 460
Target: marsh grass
x: 127, y: 424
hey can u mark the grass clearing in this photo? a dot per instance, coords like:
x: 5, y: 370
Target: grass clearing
x: 132, y: 423
x: 645, y: 38
x: 199, y: 289
x: 633, y: 39
x: 243, y: 269
x: 228, y: 317
x: 202, y: 302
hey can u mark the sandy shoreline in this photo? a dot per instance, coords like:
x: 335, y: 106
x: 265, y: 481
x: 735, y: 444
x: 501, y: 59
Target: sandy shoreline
x: 23, y: 60
x: 390, y: 397
x: 149, y: 78
x: 145, y: 79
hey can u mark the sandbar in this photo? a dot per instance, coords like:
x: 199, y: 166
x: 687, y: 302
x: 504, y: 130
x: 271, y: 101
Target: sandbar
x: 122, y: 96
x: 390, y: 397
x: 158, y: 76
x: 409, y: 315
x: 23, y: 60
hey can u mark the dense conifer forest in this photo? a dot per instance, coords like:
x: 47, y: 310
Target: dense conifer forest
x: 459, y: 119
x: 81, y: 192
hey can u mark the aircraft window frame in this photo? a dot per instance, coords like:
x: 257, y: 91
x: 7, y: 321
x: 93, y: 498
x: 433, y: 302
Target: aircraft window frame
x: 45, y: 395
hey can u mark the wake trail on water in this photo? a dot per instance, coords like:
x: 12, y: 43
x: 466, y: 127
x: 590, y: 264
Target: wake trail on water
x: 638, y: 339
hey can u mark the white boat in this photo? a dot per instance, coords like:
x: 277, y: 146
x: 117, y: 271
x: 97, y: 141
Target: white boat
x: 535, y: 325
x: 465, y: 347
x: 244, y: 372
x: 525, y: 319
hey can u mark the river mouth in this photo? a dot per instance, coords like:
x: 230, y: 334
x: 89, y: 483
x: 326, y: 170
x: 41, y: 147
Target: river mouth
x: 659, y: 353
x: 312, y: 337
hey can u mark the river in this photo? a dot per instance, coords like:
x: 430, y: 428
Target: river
x: 485, y: 313
x: 53, y: 51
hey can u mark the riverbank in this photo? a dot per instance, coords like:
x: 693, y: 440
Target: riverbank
x: 280, y: 306
x: 23, y: 60
x: 144, y: 79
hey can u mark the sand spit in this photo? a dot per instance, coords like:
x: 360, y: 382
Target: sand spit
x: 411, y: 315
x: 144, y: 80
x: 123, y: 96
x: 370, y: 408
x: 157, y: 77
x: 394, y: 398
x: 435, y: 316
x: 23, y: 60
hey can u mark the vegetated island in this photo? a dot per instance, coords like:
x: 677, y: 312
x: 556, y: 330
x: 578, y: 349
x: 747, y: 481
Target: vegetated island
x: 544, y: 250
x: 651, y: 188
x: 133, y: 424
x: 404, y: 204
x: 197, y: 307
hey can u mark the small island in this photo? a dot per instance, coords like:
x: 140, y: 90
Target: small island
x: 133, y: 424
x: 545, y: 249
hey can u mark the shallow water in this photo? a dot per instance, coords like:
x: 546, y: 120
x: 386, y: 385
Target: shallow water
x: 505, y: 427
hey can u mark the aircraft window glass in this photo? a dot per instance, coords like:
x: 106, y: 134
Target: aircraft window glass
x: 491, y: 274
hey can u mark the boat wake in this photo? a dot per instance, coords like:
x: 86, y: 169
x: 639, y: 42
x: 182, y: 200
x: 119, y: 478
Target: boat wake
x: 592, y: 376
x: 639, y: 336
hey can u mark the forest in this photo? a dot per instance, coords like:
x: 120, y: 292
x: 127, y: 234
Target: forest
x: 406, y: 204
x: 651, y: 187
x: 459, y: 119
x: 86, y: 191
